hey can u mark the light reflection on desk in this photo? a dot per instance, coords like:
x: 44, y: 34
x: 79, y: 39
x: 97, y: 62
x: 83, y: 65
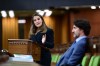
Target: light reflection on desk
x: 20, y: 60
x: 17, y: 63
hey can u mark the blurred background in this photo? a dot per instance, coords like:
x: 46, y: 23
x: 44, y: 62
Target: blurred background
x: 15, y: 19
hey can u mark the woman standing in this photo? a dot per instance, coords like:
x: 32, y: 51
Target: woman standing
x: 43, y: 36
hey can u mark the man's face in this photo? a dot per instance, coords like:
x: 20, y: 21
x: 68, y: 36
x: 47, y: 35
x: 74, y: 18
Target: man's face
x: 76, y: 31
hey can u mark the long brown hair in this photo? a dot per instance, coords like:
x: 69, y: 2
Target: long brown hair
x: 33, y: 28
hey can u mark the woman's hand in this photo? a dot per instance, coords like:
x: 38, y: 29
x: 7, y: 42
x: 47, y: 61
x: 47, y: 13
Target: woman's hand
x: 43, y: 38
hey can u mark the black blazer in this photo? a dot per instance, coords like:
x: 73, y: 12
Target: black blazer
x: 45, y: 53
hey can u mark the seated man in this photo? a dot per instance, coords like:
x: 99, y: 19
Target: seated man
x: 73, y: 56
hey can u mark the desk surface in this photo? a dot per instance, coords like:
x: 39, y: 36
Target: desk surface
x: 20, y: 60
x: 23, y: 58
x: 16, y: 63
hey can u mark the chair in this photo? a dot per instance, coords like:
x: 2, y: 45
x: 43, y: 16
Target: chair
x: 54, y: 58
x: 85, y: 61
x: 91, y: 60
x: 59, y: 57
x: 96, y: 61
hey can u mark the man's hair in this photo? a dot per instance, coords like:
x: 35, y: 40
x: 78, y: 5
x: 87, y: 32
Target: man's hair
x: 84, y: 25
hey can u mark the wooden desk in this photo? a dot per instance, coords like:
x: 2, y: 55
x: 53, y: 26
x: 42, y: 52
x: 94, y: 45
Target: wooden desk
x: 20, y: 46
x: 16, y: 63
x: 24, y: 46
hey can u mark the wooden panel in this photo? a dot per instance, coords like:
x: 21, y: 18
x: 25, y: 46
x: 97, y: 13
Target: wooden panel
x: 19, y: 46
x: 27, y: 28
x: 9, y: 29
x: 1, y: 33
x: 64, y: 30
x: 24, y: 46
x: 92, y: 15
x: 57, y: 23
x: 36, y: 52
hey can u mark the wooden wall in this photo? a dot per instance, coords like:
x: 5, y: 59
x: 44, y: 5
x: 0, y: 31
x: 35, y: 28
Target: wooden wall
x: 27, y: 27
x: 57, y: 23
x: 9, y: 30
x: 0, y: 33
x: 92, y: 15
x: 61, y: 24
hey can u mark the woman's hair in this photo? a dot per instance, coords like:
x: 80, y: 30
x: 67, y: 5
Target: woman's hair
x: 33, y: 28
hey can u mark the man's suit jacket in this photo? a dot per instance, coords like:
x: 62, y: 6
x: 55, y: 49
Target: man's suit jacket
x: 73, y: 56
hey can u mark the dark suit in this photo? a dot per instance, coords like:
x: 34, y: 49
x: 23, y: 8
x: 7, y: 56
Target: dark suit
x: 73, y: 56
x: 45, y: 53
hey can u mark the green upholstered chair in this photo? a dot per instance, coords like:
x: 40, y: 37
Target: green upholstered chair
x: 91, y: 60
x: 96, y: 61
x: 85, y: 60
x: 59, y: 57
x: 54, y: 58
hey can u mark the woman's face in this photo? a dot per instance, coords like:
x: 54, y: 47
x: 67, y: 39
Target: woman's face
x: 37, y: 21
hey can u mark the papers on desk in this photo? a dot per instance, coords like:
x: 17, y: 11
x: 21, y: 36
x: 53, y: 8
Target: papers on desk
x: 22, y: 58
